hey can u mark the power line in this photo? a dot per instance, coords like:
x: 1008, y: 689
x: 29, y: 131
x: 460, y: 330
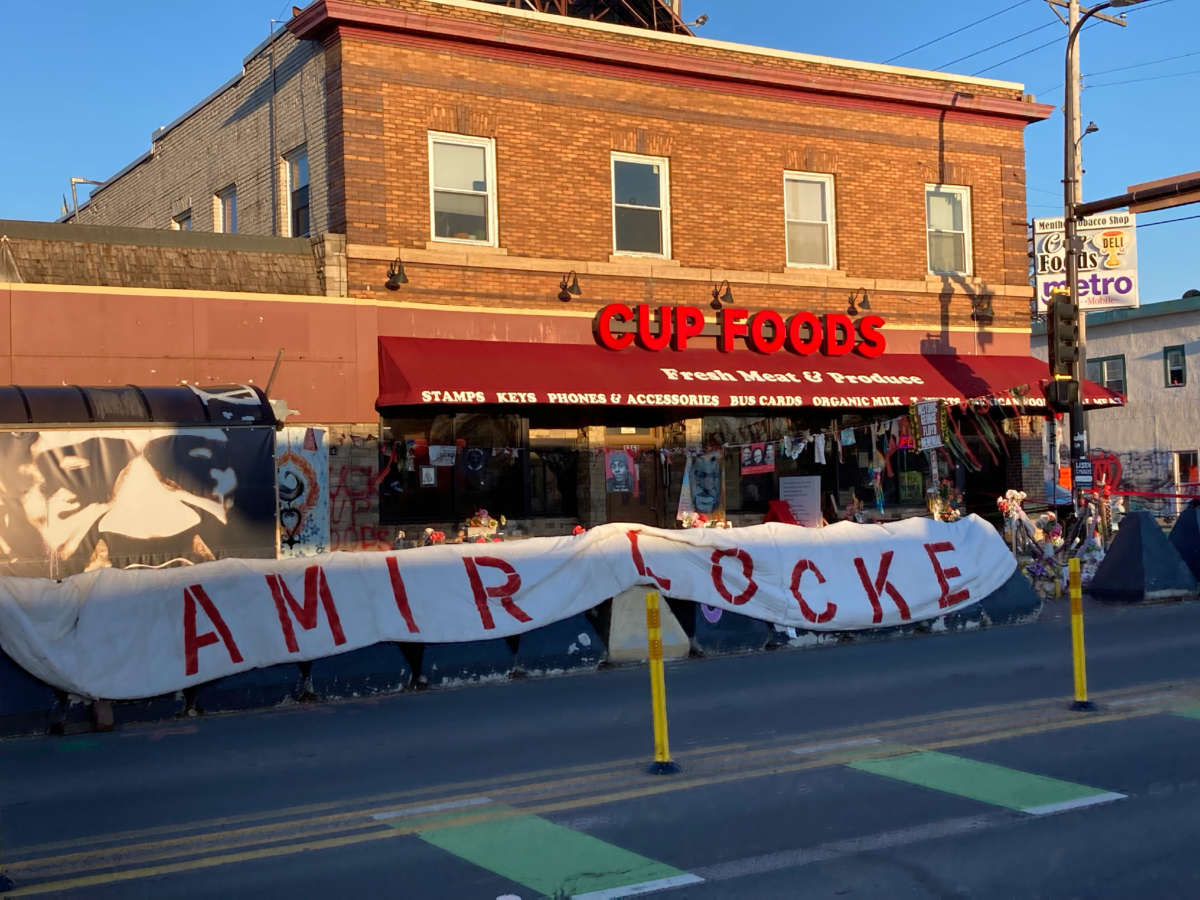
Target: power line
x: 1020, y: 55
x: 1141, y: 65
x: 1167, y: 221
x: 1147, y: 78
x: 1015, y: 37
x: 957, y: 31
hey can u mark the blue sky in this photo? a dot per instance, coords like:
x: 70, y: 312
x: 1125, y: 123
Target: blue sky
x: 98, y: 78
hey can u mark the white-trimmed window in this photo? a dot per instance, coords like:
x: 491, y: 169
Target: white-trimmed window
x: 641, y: 191
x: 948, y: 229
x: 296, y: 189
x: 225, y: 210
x: 808, y: 213
x: 462, y: 188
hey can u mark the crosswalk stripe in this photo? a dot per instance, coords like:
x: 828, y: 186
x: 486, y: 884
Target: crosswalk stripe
x: 1036, y: 795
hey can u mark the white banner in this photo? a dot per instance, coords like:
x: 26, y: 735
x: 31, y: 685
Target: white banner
x: 124, y: 634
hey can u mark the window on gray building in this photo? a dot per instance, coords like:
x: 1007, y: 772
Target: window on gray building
x: 225, y: 207
x: 1108, y: 371
x: 296, y: 164
x: 182, y: 222
x: 1174, y: 366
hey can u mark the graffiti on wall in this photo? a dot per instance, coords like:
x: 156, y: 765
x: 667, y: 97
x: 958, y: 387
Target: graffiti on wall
x: 302, y: 483
x: 354, y: 494
x: 73, y: 500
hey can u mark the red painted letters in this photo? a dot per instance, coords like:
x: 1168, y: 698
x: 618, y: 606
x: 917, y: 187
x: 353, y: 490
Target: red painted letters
x: 315, y: 585
x: 504, y: 592
x: 806, y: 565
x: 640, y: 564
x: 944, y: 575
x: 718, y: 575
x: 192, y: 642
x: 881, y: 586
x: 400, y: 595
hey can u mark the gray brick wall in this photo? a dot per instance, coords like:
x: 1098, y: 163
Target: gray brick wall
x: 227, y: 139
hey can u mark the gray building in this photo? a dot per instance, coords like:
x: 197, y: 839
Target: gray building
x: 1152, y: 356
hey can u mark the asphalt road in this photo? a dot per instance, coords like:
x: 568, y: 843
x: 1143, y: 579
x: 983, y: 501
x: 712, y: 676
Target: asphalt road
x: 937, y: 766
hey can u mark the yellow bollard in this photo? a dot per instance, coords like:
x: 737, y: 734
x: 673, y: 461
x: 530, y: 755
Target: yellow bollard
x: 1077, y: 653
x: 662, y: 764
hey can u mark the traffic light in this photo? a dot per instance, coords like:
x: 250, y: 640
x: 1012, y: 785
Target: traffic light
x: 1062, y: 332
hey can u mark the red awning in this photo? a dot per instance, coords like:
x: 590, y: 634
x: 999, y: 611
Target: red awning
x: 430, y: 371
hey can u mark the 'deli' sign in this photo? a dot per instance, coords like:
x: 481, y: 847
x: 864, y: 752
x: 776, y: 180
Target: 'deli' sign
x: 1107, y: 260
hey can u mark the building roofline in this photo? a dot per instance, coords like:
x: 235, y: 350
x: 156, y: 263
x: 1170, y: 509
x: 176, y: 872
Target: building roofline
x: 1149, y: 311
x: 692, y: 40
x: 337, y: 18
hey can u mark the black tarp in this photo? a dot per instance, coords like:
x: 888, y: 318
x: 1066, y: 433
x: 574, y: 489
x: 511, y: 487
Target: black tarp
x: 1141, y: 564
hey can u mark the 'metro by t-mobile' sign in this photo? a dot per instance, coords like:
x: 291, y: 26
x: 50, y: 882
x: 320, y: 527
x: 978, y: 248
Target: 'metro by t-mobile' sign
x: 618, y: 326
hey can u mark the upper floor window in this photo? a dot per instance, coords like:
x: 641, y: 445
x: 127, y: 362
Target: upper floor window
x: 225, y: 205
x: 948, y: 228
x: 1174, y: 366
x: 641, y: 205
x: 296, y: 164
x: 462, y: 188
x: 182, y: 222
x: 808, y: 213
x: 1108, y: 371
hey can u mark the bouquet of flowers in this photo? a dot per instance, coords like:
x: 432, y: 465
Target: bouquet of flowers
x: 700, y: 520
x: 945, y: 502
x: 483, y: 525
x: 434, y: 537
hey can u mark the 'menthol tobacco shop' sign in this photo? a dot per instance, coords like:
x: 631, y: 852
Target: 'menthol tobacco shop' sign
x: 1107, y: 260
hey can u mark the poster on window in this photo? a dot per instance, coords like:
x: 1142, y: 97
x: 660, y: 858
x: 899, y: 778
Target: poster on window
x: 758, y: 459
x: 702, y: 491
x: 442, y: 455
x: 620, y: 472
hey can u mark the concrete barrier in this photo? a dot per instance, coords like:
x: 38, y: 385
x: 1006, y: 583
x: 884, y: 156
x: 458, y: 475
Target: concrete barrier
x: 713, y: 630
x: 26, y: 704
x: 379, y: 669
x: 1013, y: 602
x: 153, y: 709
x: 451, y: 664
x: 627, y: 629
x: 1141, y: 564
x: 268, y: 686
x: 572, y: 643
x: 1185, y: 538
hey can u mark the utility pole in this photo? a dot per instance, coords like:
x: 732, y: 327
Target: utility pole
x: 1072, y: 191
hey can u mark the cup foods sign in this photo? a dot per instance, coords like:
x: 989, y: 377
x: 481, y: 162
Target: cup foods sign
x: 1107, y: 260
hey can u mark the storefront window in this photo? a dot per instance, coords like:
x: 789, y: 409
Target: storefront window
x: 444, y: 468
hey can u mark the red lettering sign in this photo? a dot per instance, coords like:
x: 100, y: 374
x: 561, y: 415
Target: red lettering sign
x: 881, y: 586
x: 663, y: 327
x: 192, y: 642
x: 718, y: 575
x: 946, y: 598
x: 316, y: 585
x: 807, y: 565
x: 504, y: 592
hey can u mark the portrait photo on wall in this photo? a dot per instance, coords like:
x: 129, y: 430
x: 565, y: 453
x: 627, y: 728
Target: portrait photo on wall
x: 620, y: 472
x: 758, y: 459
x: 702, y: 490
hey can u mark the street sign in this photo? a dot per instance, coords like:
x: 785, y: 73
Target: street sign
x: 1083, y: 474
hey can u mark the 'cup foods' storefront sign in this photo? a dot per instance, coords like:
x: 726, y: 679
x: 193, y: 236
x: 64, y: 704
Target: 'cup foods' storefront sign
x: 1107, y: 260
x: 618, y: 326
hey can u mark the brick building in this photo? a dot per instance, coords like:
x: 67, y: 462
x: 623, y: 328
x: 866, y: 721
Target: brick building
x: 487, y: 162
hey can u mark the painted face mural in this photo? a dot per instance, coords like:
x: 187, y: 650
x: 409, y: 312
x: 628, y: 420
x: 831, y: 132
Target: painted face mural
x: 75, y: 500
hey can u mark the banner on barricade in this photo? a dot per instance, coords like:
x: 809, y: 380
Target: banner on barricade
x: 124, y: 634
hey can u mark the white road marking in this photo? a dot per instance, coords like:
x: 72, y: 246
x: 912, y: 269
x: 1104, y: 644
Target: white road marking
x: 1094, y: 800
x: 430, y: 808
x: 645, y: 887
